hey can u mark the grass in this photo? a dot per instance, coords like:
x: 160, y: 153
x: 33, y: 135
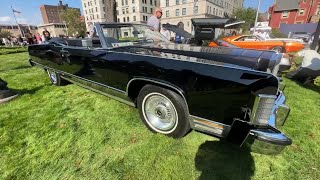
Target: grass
x: 12, y: 50
x: 71, y: 133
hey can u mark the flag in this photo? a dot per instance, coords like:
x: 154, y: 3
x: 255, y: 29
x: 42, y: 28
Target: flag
x: 15, y: 11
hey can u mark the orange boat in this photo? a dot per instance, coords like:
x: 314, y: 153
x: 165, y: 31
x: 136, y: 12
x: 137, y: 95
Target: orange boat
x: 254, y: 42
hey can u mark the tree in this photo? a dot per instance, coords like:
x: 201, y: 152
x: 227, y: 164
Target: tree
x: 4, y: 34
x: 73, y: 21
x: 248, y: 15
x: 111, y: 10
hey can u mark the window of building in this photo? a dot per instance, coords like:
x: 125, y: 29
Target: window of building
x: 123, y: 11
x: 122, y: 2
x: 85, y: 11
x: 117, y: 12
x: 196, y: 9
x: 210, y: 10
x: 214, y: 11
x: 134, y: 18
x: 95, y: 2
x: 151, y: 2
x: 184, y: 1
x: 151, y: 10
x: 133, y: 1
x: 167, y: 14
x: 144, y: 9
x: 133, y: 9
x: 177, y: 12
x: 84, y: 4
x: 184, y: 11
x: 104, y: 9
x: 155, y: 2
x: 127, y: 10
x: 126, y: 34
x: 301, y: 11
x: 167, y: 3
x: 118, y: 20
x: 126, y: 2
x: 177, y: 2
x: 124, y: 19
x: 97, y: 16
x: 96, y: 9
x: 128, y: 19
x: 285, y: 14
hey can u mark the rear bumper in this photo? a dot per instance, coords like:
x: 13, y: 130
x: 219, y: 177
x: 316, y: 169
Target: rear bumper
x: 269, y: 140
x: 266, y: 141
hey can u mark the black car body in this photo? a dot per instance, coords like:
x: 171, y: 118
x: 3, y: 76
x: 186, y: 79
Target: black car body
x: 229, y: 93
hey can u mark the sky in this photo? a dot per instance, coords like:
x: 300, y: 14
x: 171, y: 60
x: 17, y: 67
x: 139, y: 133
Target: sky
x: 30, y: 9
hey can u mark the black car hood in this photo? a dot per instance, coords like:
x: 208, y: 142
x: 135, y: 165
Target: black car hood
x: 247, y: 58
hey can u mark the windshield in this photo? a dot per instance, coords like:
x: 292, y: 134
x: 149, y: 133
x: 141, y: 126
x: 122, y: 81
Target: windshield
x: 119, y: 35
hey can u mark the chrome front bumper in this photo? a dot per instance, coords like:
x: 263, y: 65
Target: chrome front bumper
x: 269, y: 140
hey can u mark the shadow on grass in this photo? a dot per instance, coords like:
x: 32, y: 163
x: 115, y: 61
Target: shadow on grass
x: 222, y: 160
x: 16, y: 68
x: 29, y: 91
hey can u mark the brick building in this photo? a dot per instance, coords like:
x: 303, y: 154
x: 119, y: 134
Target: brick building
x: 51, y: 13
x: 294, y: 12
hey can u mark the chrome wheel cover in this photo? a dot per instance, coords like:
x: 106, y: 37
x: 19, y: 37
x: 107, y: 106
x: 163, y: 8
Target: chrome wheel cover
x: 52, y: 76
x: 160, y: 113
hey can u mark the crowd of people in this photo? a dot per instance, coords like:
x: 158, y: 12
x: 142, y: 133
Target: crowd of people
x: 28, y: 39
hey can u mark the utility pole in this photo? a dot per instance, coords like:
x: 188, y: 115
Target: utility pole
x: 255, y: 22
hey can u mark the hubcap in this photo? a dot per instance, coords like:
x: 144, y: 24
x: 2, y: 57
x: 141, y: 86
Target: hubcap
x: 52, y: 76
x: 160, y: 113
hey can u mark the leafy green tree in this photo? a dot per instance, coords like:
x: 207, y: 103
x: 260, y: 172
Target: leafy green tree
x: 73, y: 21
x: 248, y: 15
x: 4, y: 34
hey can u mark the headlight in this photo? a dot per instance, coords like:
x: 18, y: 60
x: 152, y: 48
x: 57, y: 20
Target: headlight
x: 262, y: 109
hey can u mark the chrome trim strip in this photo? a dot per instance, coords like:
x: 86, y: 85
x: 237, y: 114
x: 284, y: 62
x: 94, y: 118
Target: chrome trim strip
x: 211, y: 127
x: 92, y: 82
x: 65, y: 73
x: 100, y: 92
x: 164, y: 84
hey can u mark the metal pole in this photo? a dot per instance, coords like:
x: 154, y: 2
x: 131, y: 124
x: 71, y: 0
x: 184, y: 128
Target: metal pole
x: 255, y: 22
x: 16, y: 22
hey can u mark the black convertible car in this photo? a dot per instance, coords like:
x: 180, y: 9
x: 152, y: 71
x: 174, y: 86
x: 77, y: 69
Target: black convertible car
x: 230, y: 93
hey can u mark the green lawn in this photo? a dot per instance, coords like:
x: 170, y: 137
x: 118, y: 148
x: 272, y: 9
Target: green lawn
x: 71, y: 133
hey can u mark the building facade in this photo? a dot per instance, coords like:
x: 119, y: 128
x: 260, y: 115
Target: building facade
x: 14, y: 29
x: 51, y: 13
x: 175, y: 11
x: 127, y: 10
x: 94, y: 11
x: 137, y: 11
x: 55, y: 29
x: 294, y: 12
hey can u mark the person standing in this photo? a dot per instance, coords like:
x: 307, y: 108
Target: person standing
x: 38, y: 38
x: 154, y: 20
x: 46, y: 34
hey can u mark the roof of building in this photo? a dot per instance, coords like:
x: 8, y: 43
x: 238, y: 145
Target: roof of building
x: 285, y: 5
